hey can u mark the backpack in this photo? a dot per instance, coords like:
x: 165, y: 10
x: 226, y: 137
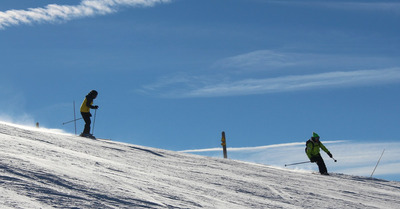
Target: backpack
x: 309, y: 141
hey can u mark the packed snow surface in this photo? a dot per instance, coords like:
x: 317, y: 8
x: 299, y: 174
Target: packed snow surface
x: 43, y: 169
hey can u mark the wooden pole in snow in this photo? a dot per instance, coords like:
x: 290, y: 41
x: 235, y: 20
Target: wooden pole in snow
x: 223, y: 140
x: 74, y: 117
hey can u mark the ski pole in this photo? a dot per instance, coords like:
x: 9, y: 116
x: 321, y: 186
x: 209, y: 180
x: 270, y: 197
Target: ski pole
x: 94, y: 120
x: 71, y: 121
x: 334, y: 159
x: 377, y: 163
x: 298, y: 163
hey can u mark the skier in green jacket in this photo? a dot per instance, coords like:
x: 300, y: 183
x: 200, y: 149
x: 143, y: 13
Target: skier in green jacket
x: 312, y: 151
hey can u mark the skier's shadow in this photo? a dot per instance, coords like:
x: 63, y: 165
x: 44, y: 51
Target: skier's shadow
x: 149, y: 151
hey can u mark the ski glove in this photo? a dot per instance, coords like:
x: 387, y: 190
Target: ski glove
x: 330, y: 155
x: 313, y: 159
x: 96, y: 107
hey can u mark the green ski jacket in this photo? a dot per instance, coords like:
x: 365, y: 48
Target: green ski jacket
x: 313, y: 148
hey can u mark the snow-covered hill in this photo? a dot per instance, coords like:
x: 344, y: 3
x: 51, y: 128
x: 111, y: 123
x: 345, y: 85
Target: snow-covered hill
x: 43, y: 169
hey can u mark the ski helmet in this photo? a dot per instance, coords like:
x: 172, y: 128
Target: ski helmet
x: 93, y: 93
x: 315, y: 137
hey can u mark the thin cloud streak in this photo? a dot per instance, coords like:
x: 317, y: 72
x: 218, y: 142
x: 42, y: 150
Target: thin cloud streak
x: 377, y: 6
x: 277, y: 61
x: 262, y: 60
x: 270, y: 71
x: 55, y: 13
x: 364, y: 6
x: 233, y: 149
x: 289, y: 83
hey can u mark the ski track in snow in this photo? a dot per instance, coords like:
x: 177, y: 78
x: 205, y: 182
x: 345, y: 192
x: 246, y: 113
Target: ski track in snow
x: 40, y: 169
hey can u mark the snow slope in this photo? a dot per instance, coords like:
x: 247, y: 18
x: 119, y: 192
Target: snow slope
x: 43, y: 169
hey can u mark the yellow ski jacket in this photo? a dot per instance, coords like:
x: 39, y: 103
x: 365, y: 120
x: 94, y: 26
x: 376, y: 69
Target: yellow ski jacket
x: 86, y: 104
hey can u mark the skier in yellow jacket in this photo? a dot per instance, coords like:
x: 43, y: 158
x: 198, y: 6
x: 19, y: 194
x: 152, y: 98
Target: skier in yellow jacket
x: 312, y: 151
x: 87, y: 104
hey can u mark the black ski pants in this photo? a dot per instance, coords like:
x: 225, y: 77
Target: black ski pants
x: 321, y: 164
x: 86, y: 117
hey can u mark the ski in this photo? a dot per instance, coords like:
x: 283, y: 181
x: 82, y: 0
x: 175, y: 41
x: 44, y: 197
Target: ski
x: 90, y: 136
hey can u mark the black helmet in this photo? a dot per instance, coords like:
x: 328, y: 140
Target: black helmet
x: 93, y: 93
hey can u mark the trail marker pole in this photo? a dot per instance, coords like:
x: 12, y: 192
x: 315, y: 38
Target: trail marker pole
x: 377, y: 163
x: 74, y: 117
x: 223, y: 140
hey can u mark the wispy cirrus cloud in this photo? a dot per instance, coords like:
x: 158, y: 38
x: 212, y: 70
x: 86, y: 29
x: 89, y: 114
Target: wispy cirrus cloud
x: 55, y: 12
x: 198, y: 87
x: 270, y: 60
x: 261, y: 60
x: 372, y: 6
x: 268, y: 71
x: 297, y: 83
x: 378, y: 6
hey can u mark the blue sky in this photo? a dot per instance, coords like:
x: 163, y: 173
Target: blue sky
x: 175, y: 74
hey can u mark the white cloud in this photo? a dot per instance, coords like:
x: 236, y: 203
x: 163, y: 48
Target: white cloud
x: 54, y: 12
x: 199, y: 88
x: 377, y: 6
x: 270, y: 61
x: 268, y: 71
x: 261, y: 60
x: 366, y: 6
x: 299, y: 82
